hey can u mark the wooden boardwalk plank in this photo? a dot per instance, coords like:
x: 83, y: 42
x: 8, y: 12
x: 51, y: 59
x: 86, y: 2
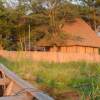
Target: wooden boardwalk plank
x: 39, y: 95
x: 14, y: 98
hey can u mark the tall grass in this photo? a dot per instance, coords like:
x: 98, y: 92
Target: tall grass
x: 59, y: 78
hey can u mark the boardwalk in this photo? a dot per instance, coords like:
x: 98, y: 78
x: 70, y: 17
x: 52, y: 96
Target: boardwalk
x: 14, y: 88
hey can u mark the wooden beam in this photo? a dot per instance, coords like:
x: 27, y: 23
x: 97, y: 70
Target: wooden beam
x: 4, y: 81
x: 14, y: 98
x: 9, y: 89
x: 39, y: 95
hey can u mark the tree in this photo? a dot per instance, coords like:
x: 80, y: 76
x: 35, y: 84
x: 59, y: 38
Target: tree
x: 91, y: 12
x: 40, y: 18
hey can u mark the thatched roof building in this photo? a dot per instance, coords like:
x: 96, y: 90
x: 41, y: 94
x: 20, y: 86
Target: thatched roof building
x: 76, y: 36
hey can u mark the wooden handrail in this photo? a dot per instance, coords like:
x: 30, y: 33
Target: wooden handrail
x: 39, y: 95
x: 14, y: 98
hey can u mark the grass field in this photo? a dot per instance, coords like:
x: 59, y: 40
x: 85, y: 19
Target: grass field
x: 57, y: 79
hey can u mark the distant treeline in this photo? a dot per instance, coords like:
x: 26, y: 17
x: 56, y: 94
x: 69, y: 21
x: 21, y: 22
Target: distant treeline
x: 24, y: 22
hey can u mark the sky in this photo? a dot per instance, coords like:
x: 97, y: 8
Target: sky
x: 13, y: 3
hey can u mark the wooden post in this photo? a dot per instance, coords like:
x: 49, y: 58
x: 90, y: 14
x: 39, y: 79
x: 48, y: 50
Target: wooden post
x: 9, y: 89
x: 29, y: 37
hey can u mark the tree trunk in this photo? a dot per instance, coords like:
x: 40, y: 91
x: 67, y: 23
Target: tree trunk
x: 21, y: 44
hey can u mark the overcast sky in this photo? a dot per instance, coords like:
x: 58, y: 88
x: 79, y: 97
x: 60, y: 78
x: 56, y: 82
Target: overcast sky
x: 14, y: 2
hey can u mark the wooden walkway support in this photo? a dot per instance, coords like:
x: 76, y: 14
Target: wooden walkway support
x: 18, y: 87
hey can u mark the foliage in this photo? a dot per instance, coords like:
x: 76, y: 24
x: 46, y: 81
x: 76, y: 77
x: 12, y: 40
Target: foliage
x: 20, y: 19
x: 58, y: 79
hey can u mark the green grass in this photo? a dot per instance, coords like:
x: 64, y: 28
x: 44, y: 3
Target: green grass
x: 56, y: 78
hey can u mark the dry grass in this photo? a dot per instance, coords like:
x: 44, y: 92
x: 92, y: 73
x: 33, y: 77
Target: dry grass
x: 54, y: 78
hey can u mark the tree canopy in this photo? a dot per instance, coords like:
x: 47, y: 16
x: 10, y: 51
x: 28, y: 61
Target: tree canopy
x: 24, y: 22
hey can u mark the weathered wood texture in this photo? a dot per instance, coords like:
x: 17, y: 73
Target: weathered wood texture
x: 75, y: 49
x: 2, y: 82
x: 14, y: 98
x: 78, y: 54
x: 17, y: 86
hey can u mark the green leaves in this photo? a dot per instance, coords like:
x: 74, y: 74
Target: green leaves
x: 88, y: 83
x: 43, y: 16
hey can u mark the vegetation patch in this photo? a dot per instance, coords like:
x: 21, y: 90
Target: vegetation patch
x: 59, y: 78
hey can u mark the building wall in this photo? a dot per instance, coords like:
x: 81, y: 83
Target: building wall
x: 75, y: 49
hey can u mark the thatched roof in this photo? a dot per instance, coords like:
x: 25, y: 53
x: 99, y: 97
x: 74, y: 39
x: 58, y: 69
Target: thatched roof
x: 75, y: 33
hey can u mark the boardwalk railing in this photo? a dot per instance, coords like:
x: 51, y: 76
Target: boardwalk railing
x: 50, y: 56
x: 22, y: 89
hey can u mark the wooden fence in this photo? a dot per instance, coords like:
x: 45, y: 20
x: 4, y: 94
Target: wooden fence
x: 49, y: 56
